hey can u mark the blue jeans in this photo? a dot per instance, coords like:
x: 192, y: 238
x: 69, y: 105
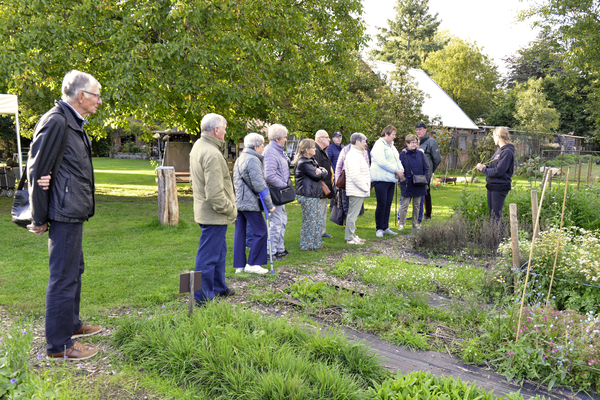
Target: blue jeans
x: 258, y: 250
x: 210, y: 260
x: 64, y: 284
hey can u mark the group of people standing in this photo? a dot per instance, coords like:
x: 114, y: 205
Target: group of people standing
x: 61, y: 186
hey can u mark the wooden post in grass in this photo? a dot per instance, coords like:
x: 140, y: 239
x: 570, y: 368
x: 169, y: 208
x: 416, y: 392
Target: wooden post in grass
x: 168, y: 206
x: 536, y: 224
x: 562, y: 217
x: 579, y: 174
x: 190, y: 282
x: 514, y: 233
x: 589, y: 173
x: 534, y: 205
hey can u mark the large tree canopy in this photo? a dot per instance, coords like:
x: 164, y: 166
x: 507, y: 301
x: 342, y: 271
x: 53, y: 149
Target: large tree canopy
x: 411, y: 36
x: 467, y: 75
x: 174, y: 61
x: 576, y: 24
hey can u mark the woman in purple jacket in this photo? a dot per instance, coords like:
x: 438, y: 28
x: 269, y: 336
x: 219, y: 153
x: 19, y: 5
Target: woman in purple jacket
x: 277, y: 173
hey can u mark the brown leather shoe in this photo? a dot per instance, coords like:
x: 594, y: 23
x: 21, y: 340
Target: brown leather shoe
x: 87, y: 330
x: 76, y: 353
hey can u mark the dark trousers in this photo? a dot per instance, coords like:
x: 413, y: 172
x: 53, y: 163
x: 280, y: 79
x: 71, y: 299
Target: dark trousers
x: 495, y: 200
x: 258, y: 249
x: 384, y: 192
x: 210, y: 260
x: 428, y: 205
x: 64, y: 284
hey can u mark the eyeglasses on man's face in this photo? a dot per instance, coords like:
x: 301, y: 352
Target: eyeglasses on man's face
x: 97, y: 96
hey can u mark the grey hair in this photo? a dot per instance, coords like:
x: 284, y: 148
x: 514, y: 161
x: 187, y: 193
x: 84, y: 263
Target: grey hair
x: 276, y: 132
x: 212, y: 121
x: 76, y: 82
x: 357, y: 137
x: 320, y: 131
x: 253, y: 140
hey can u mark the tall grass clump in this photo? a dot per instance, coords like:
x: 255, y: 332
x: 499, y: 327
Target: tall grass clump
x: 18, y: 380
x: 224, y: 353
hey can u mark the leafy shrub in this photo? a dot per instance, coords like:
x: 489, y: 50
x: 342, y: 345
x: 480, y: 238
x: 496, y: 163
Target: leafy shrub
x: 425, y: 385
x: 577, y: 274
x: 580, y: 210
x: 554, y: 347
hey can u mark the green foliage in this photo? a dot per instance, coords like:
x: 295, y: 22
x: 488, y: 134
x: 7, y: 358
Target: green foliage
x: 456, y: 281
x: 576, y: 24
x: 425, y: 385
x: 176, y: 62
x: 18, y: 380
x: 580, y: 207
x: 533, y: 111
x: 466, y: 74
x: 226, y: 352
x: 411, y: 36
x: 577, y: 269
x: 554, y: 347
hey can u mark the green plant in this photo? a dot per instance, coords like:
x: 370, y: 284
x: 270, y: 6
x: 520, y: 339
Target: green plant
x: 17, y: 378
x: 577, y: 273
x: 425, y: 385
x: 226, y: 352
x: 554, y: 347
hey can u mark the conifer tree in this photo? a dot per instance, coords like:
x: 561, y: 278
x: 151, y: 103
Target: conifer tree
x: 411, y: 36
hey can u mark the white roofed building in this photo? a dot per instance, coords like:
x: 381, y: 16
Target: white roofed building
x: 437, y: 105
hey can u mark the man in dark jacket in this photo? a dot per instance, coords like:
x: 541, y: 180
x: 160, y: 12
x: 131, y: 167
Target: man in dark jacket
x: 432, y: 155
x: 334, y: 148
x: 322, y: 142
x: 64, y: 208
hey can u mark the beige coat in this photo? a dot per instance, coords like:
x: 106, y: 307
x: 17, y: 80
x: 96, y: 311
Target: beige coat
x: 214, y: 199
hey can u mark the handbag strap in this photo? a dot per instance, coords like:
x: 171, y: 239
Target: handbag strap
x: 59, y: 158
x: 243, y: 180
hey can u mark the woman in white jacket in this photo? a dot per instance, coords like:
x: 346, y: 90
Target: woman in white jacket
x: 386, y: 169
x: 358, y: 184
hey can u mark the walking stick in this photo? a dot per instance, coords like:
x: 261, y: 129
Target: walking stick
x: 262, y: 196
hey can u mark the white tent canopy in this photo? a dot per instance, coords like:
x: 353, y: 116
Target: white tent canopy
x: 9, y: 105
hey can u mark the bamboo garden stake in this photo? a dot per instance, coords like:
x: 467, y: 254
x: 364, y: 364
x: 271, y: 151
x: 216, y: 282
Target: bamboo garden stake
x: 562, y: 217
x: 536, y: 226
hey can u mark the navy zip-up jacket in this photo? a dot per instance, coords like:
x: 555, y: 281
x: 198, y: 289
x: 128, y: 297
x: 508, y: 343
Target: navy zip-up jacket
x: 500, y: 170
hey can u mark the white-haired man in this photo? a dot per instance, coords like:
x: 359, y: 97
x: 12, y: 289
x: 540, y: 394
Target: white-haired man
x: 214, y: 206
x: 322, y: 141
x: 61, y: 146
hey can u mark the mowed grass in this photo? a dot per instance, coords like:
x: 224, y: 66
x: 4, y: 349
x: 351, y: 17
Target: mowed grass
x: 131, y: 260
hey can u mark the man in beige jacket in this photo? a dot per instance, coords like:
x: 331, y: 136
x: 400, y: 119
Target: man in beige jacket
x: 214, y: 206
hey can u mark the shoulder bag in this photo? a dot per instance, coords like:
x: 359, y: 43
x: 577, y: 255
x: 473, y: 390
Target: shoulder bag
x: 418, y: 180
x: 282, y: 195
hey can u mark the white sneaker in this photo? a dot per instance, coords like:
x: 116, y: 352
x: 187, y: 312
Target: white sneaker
x: 379, y: 233
x: 390, y: 232
x: 255, y: 269
x: 354, y: 241
x: 239, y: 270
x: 400, y: 227
x: 359, y: 239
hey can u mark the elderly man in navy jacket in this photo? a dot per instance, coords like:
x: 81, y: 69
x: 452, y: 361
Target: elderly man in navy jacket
x: 60, y: 144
